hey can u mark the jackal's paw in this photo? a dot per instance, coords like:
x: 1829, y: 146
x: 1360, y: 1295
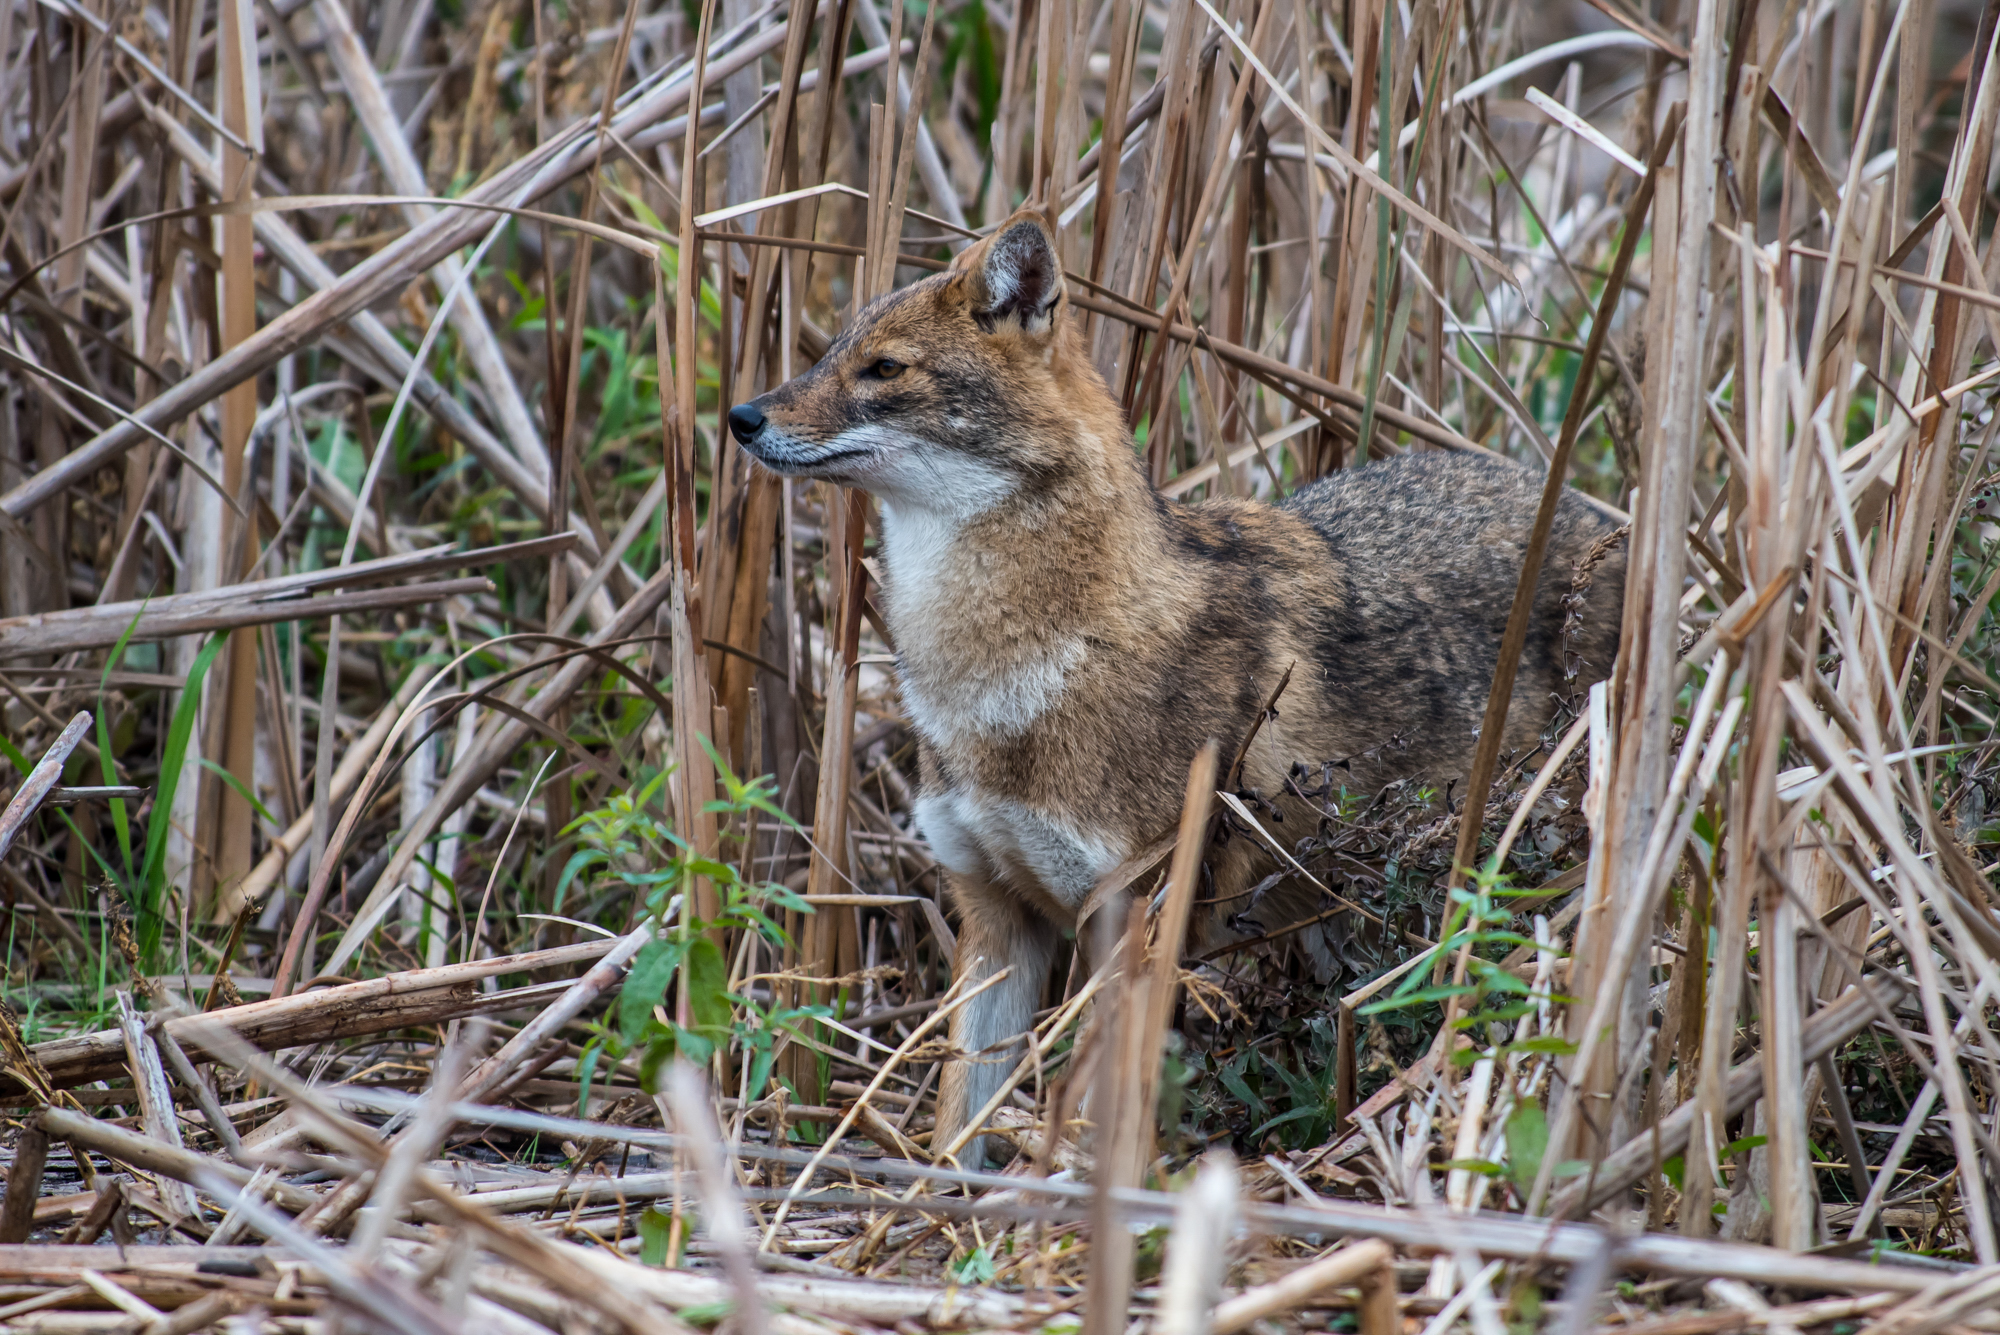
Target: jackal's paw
x: 955, y: 1109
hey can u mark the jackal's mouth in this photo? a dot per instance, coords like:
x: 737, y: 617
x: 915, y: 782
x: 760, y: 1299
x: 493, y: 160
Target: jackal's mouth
x: 795, y: 458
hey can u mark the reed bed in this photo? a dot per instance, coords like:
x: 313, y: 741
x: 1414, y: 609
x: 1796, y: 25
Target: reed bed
x: 391, y: 639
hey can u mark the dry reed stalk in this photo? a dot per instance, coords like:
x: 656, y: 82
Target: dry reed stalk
x: 41, y: 780
x: 231, y: 608
x: 225, y: 828
x: 1361, y: 1262
x: 156, y: 1101
x: 696, y: 1116
x: 1163, y: 955
x: 1131, y: 1036
x: 423, y: 996
x: 24, y: 1184
x: 155, y: 1156
x: 1204, y: 1228
x: 490, y: 1075
x: 1118, y: 1119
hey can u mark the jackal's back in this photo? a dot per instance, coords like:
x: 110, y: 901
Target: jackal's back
x: 1427, y: 553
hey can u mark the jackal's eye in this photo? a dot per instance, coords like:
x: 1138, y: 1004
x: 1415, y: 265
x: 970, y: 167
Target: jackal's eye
x: 885, y: 368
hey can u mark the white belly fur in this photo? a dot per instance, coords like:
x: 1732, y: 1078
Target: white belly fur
x: 978, y: 834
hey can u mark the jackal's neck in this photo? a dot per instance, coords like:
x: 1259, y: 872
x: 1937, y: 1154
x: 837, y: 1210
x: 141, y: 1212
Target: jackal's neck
x: 1066, y: 547
x: 995, y: 611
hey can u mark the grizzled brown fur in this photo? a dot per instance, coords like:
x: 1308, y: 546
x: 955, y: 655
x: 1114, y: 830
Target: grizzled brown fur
x: 1068, y: 638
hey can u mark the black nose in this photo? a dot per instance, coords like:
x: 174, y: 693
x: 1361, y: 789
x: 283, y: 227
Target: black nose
x: 745, y: 421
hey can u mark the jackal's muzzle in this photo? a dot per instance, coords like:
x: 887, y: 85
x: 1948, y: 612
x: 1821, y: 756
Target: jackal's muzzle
x: 781, y: 452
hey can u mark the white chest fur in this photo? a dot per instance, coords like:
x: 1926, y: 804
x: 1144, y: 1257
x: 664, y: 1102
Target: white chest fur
x: 978, y: 834
x: 963, y: 681
x: 971, y: 676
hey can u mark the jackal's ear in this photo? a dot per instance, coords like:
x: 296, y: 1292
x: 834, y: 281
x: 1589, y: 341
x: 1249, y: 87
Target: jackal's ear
x: 1016, y: 275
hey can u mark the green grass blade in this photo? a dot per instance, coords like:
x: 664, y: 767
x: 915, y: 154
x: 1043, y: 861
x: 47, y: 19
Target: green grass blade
x: 151, y: 885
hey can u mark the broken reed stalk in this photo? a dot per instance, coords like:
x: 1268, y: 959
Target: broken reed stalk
x: 1198, y: 1257
x: 41, y: 780
x: 1360, y: 1263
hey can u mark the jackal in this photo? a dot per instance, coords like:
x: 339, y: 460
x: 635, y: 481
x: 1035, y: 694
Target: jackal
x: 1067, y: 638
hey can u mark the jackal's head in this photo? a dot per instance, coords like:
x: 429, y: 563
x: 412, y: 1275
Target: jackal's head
x: 953, y: 393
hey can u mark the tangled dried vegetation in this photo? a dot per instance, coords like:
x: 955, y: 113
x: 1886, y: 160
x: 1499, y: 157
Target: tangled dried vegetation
x: 388, y: 636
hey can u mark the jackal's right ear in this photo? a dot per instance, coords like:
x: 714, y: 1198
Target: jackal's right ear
x: 1016, y: 275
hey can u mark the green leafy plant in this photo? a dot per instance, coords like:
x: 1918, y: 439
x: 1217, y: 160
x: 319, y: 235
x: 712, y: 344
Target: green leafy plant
x: 973, y: 1267
x: 1527, y: 1144
x: 1280, y: 1087
x: 1491, y: 994
x: 628, y: 840
x: 655, y: 1236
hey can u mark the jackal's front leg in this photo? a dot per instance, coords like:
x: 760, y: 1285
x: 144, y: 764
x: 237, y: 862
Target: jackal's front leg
x: 998, y: 931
